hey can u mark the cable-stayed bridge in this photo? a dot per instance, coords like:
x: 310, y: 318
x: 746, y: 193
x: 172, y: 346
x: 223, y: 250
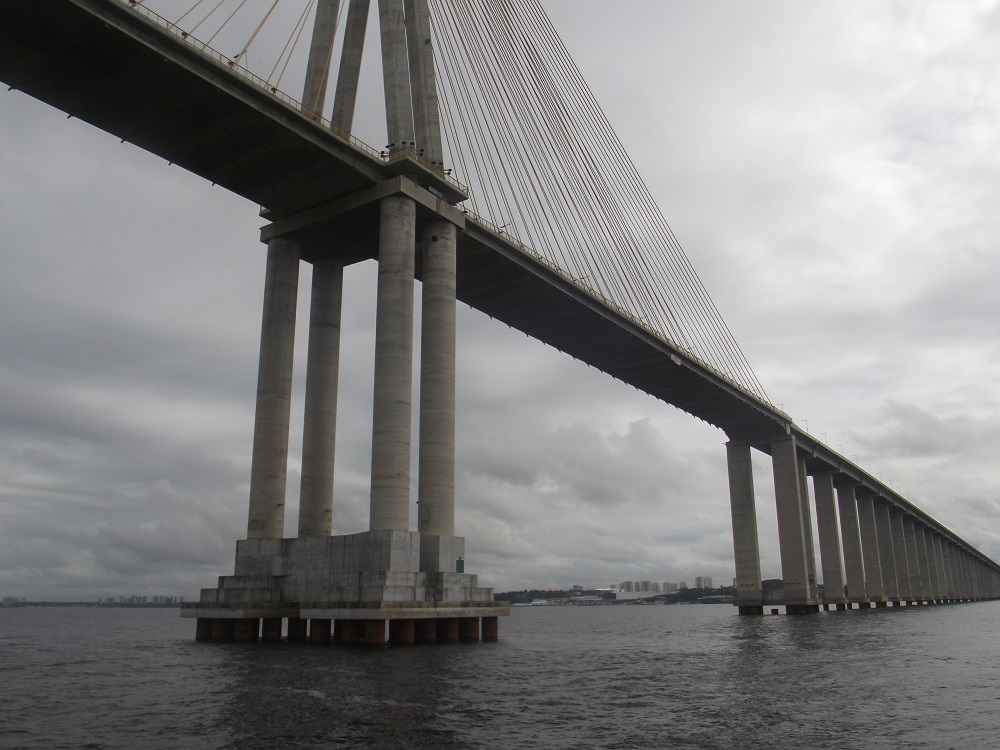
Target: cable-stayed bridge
x: 572, y: 270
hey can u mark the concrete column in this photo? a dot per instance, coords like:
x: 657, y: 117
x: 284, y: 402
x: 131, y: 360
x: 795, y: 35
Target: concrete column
x: 350, y: 66
x: 223, y: 629
x: 348, y: 632
x: 203, y: 629
x: 491, y: 633
x: 468, y: 629
x: 246, y: 630
x: 899, y: 555
x: 829, y: 538
x: 274, y: 392
x: 807, y: 529
x: 791, y: 534
x: 850, y: 531
x: 868, y: 527
x: 320, y: 52
x: 402, y: 632
x: 426, y: 631
x: 297, y: 629
x: 447, y: 630
x: 921, y: 533
x: 933, y: 572
x: 320, y: 630
x: 395, y: 74
x: 749, y: 593
x: 390, y: 496
x: 436, y: 491
x: 949, y: 572
x: 374, y: 632
x: 913, y: 559
x: 942, y: 570
x: 271, y: 631
x: 426, y: 121
x: 319, y: 431
x: 886, y: 555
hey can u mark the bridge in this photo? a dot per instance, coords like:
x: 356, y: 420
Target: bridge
x: 331, y: 201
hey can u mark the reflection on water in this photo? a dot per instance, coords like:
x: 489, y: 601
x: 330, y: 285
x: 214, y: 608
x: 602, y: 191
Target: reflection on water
x: 561, y: 677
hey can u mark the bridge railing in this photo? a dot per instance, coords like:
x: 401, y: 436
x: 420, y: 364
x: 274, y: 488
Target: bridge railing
x: 234, y: 67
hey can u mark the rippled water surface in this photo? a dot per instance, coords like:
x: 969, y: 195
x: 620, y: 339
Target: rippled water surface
x: 561, y: 677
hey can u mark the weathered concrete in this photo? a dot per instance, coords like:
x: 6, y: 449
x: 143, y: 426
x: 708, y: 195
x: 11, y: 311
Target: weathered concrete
x: 468, y: 629
x: 745, y: 541
x: 395, y: 75
x: 390, y: 489
x: 490, y: 633
x: 350, y: 66
x: 874, y: 586
x: 447, y: 630
x: 829, y: 538
x: 850, y: 532
x: 436, y: 488
x: 427, y: 127
x: 886, y: 553
x: 271, y: 630
x: 807, y: 527
x: 320, y: 53
x: 319, y: 432
x: 320, y: 630
x: 402, y: 632
x: 791, y: 525
x: 274, y: 392
x: 917, y: 578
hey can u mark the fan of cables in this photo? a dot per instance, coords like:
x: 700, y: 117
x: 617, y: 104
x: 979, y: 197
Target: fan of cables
x: 543, y: 164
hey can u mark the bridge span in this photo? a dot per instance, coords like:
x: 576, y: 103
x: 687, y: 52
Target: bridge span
x: 330, y: 200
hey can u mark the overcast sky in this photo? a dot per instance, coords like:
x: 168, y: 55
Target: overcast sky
x: 832, y: 170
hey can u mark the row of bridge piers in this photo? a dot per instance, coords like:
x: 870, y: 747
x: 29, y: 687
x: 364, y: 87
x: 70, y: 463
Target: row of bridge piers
x: 874, y: 549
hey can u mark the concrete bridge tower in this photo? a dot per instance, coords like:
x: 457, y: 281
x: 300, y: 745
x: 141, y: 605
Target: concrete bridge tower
x: 347, y: 587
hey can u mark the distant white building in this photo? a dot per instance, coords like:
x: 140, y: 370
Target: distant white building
x: 669, y: 586
x: 703, y: 582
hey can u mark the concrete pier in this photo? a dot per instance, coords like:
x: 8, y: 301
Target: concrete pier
x: 850, y: 531
x: 390, y: 488
x: 874, y: 581
x: 319, y: 431
x: 829, y: 539
x: 792, y: 529
x: 746, y: 553
x: 274, y: 392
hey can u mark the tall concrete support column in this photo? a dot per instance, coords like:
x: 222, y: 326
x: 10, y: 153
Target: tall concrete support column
x: 886, y: 553
x: 436, y: 491
x: 933, y: 573
x: 807, y: 528
x: 850, y: 531
x: 320, y: 53
x: 829, y: 538
x: 946, y: 566
x: 346, y: 95
x: 395, y: 74
x: 319, y: 432
x: 426, y: 120
x: 899, y: 555
x: 749, y: 591
x: 913, y: 559
x: 269, y: 461
x: 874, y: 586
x: 391, y: 414
x: 791, y: 525
x: 927, y: 572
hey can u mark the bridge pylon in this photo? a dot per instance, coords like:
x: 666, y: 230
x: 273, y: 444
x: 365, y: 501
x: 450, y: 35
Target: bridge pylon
x: 346, y: 588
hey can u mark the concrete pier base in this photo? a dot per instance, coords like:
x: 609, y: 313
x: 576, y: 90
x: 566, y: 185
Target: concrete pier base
x: 751, y: 609
x: 447, y: 630
x: 468, y: 629
x: 246, y: 630
x: 297, y: 629
x: 348, y: 632
x: 271, y: 631
x: 402, y: 632
x: 490, y: 629
x: 374, y: 632
x: 203, y: 630
x: 222, y: 630
x: 320, y: 630
x: 425, y: 631
x: 801, y: 609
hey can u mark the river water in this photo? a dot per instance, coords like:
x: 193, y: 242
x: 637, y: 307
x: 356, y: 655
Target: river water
x: 561, y: 677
